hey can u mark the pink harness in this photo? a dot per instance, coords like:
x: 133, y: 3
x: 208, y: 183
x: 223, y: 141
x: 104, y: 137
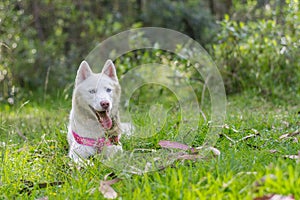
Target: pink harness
x: 98, y: 143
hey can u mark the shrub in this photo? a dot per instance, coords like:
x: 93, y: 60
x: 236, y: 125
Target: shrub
x: 262, y: 54
x: 46, y: 40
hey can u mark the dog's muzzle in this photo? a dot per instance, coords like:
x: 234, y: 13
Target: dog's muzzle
x: 103, y: 118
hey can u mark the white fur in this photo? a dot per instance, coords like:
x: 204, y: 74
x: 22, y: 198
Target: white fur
x: 90, y: 89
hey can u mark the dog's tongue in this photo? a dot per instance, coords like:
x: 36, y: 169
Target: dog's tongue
x: 105, y: 120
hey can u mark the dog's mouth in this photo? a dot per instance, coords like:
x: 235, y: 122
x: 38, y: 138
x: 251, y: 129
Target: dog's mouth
x: 103, y: 118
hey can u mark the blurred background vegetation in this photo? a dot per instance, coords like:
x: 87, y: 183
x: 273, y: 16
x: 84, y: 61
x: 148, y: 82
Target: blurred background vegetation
x: 255, y: 43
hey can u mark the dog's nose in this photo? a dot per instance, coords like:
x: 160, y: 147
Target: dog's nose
x: 104, y: 104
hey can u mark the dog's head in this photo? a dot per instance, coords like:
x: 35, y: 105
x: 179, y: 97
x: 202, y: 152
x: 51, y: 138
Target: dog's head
x: 99, y: 93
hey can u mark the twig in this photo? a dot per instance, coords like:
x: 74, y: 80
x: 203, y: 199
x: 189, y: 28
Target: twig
x: 29, y: 185
x: 247, y: 137
x: 21, y: 135
x: 228, y: 138
x: 290, y: 134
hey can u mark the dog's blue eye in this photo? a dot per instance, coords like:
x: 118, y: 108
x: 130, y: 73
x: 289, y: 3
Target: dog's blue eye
x: 108, y: 90
x: 92, y: 91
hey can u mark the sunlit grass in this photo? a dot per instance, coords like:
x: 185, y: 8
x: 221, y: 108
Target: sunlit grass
x: 33, y: 148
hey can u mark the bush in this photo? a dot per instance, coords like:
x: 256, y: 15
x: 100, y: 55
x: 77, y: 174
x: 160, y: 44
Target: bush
x: 261, y: 54
x: 192, y: 18
x: 46, y: 40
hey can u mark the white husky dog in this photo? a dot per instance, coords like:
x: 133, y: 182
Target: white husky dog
x: 94, y: 125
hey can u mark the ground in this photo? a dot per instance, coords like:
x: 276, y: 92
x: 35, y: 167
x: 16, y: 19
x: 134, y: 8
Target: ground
x: 256, y: 156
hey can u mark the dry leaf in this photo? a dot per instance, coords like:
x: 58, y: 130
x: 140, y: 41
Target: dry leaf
x: 287, y: 124
x: 21, y: 135
x: 293, y: 134
x: 174, y: 145
x: 107, y: 191
x: 284, y: 136
x: 275, y: 197
x: 294, y: 157
x: 228, y: 138
x: 215, y: 151
x: 226, y: 126
x: 248, y: 136
x: 43, y: 198
x: 186, y: 156
x: 273, y: 151
x: 295, y: 140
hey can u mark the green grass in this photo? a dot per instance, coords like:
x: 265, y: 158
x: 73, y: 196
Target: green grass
x: 42, y: 157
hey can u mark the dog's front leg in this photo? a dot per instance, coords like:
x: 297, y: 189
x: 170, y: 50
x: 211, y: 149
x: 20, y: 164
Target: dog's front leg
x: 78, y: 153
x: 111, y: 151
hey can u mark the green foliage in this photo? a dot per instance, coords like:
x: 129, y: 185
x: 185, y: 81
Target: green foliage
x: 262, y: 54
x: 189, y: 17
x: 237, y: 174
x: 42, y: 42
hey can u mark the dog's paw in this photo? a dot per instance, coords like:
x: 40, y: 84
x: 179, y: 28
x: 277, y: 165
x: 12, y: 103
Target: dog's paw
x: 111, y: 151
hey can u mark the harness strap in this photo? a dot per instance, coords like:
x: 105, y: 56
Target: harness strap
x: 99, y: 143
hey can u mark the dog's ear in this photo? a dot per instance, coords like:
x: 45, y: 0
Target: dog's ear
x: 110, y: 70
x: 83, y: 72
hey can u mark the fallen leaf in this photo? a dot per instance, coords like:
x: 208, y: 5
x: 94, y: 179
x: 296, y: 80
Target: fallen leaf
x: 174, y: 145
x: 293, y: 157
x: 255, y: 131
x: 287, y: 124
x: 226, y: 126
x: 295, y: 140
x: 275, y: 197
x: 228, y: 138
x: 43, y: 198
x: 293, y: 134
x: 284, y: 136
x: 21, y: 135
x: 107, y: 191
x: 248, y: 136
x: 273, y: 151
x: 215, y: 151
